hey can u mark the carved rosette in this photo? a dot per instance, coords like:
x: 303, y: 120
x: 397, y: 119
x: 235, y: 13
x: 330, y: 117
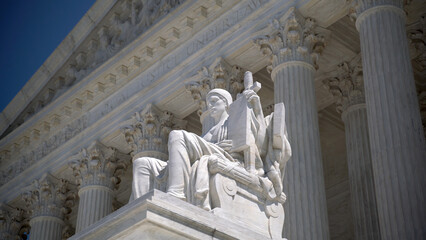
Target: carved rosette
x: 11, y: 221
x: 99, y: 165
x: 347, y: 86
x: 293, y: 39
x: 218, y: 75
x: 50, y: 196
x: 149, y: 132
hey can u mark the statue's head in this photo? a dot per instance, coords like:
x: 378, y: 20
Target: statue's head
x: 218, y: 101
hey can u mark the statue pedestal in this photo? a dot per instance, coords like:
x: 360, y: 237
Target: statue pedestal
x: 158, y: 215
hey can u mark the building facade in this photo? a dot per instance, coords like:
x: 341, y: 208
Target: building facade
x: 350, y: 73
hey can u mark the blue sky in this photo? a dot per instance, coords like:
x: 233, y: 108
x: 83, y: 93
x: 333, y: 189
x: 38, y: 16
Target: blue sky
x: 31, y: 30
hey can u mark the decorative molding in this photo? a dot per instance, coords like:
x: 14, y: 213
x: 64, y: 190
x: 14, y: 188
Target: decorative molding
x: 99, y: 91
x: 99, y: 165
x: 56, y: 119
x: 149, y: 132
x: 294, y: 38
x: 131, y: 18
x: 219, y: 74
x: 28, y: 157
x: 347, y: 86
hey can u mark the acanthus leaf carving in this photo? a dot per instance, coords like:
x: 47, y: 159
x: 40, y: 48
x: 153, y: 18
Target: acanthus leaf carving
x: 49, y: 196
x: 294, y: 38
x: 149, y: 132
x: 347, y: 85
x: 11, y: 221
x: 99, y: 165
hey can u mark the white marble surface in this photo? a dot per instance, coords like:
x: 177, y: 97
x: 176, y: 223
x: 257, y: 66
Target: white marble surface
x: 158, y: 215
x: 396, y: 135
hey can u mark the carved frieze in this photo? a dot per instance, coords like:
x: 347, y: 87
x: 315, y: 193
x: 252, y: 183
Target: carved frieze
x: 131, y: 18
x: 149, y: 132
x: 347, y: 86
x: 27, y: 158
x: 99, y: 165
x: 99, y: 91
x: 294, y: 38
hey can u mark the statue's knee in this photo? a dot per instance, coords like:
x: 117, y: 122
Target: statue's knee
x: 175, y: 135
x: 142, y: 162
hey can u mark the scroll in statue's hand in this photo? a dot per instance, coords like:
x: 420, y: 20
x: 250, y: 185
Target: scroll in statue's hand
x: 225, y: 145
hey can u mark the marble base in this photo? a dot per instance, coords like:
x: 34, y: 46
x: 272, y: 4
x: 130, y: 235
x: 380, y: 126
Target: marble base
x: 158, y: 215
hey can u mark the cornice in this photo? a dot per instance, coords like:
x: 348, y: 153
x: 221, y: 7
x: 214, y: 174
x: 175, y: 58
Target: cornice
x: 54, y: 62
x: 124, y: 22
x: 148, y: 83
x: 68, y: 110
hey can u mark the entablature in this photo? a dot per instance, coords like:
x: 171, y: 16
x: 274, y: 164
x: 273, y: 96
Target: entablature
x: 101, y: 103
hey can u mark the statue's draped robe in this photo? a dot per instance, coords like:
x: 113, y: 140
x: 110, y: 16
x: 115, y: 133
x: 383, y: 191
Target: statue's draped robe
x: 189, y: 177
x: 197, y: 191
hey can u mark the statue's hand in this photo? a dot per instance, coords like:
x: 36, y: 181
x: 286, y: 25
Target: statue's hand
x: 225, y: 145
x: 253, y: 99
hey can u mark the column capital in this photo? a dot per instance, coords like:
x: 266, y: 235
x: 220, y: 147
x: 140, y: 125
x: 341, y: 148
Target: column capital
x: 11, y: 220
x: 149, y: 131
x: 220, y: 74
x: 347, y: 85
x: 49, y: 196
x: 98, y: 165
x: 294, y: 38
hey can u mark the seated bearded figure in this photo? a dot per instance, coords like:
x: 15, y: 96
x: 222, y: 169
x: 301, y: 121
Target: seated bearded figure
x: 186, y: 173
x: 184, y: 149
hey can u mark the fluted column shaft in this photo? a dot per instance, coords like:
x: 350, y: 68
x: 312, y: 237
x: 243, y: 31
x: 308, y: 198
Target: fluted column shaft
x: 97, y: 169
x: 49, y: 200
x: 305, y: 209
x: 46, y: 228
x: 361, y: 180
x: 396, y: 137
x: 95, y: 203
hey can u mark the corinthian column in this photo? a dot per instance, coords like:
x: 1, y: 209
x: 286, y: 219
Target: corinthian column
x: 97, y: 169
x: 48, y: 200
x: 292, y: 48
x: 348, y: 90
x: 396, y: 138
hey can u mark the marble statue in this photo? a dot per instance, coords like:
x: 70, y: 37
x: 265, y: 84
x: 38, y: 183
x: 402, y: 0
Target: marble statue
x: 242, y: 150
